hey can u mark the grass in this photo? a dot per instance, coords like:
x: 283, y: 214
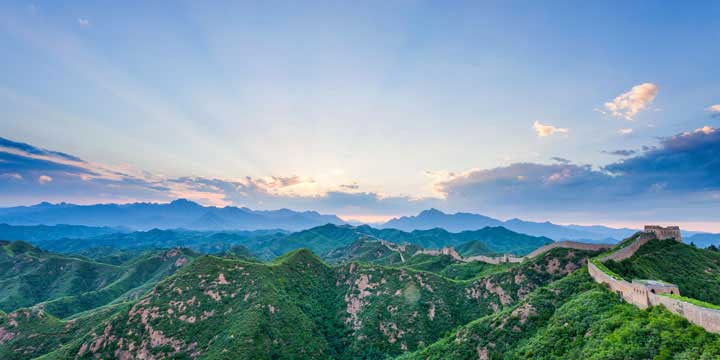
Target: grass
x: 693, y: 301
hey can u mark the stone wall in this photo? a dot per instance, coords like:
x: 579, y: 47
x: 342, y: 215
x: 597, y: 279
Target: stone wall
x: 495, y: 259
x: 709, y: 319
x: 629, y: 250
x: 569, y: 245
x: 633, y: 294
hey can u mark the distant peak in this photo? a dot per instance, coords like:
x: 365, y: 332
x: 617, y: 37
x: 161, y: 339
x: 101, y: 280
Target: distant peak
x: 432, y: 211
x: 183, y: 202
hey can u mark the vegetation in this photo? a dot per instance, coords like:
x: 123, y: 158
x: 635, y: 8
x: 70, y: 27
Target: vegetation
x: 575, y: 318
x: 693, y: 301
x: 69, y: 284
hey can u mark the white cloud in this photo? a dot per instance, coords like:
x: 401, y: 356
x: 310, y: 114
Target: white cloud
x: 626, y: 131
x: 629, y: 104
x: 83, y: 22
x: 44, y: 179
x: 715, y: 109
x: 14, y: 176
x: 705, y: 130
x: 544, y: 130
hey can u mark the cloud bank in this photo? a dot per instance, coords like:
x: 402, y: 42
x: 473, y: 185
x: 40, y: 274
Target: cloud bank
x: 677, y: 179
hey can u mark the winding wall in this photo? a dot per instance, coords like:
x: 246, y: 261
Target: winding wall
x: 640, y: 296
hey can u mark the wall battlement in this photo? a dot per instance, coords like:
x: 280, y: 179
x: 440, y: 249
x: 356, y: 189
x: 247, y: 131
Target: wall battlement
x: 664, y: 233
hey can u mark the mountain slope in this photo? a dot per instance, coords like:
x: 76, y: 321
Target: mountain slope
x: 297, y: 306
x: 66, y: 285
x: 575, y: 318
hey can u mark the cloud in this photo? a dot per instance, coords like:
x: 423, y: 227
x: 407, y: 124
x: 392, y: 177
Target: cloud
x: 677, y: 179
x: 14, y: 176
x: 622, y: 152
x: 547, y: 130
x: 353, y: 186
x: 714, y: 110
x: 560, y: 160
x: 629, y: 104
x: 83, y: 22
x: 44, y: 179
x: 626, y: 131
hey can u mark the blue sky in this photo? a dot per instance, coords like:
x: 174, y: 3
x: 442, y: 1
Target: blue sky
x: 367, y: 109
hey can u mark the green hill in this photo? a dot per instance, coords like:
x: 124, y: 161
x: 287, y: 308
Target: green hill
x: 369, y: 250
x: 297, y: 306
x: 472, y: 248
x: 695, y: 271
x: 70, y: 284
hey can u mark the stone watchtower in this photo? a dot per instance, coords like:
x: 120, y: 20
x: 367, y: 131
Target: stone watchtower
x: 664, y: 233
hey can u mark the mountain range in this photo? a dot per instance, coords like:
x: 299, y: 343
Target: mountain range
x: 186, y: 214
x: 180, y: 213
x: 434, y: 218
x: 370, y: 304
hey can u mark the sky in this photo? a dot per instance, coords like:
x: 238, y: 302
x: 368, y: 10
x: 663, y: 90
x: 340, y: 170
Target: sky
x: 575, y: 112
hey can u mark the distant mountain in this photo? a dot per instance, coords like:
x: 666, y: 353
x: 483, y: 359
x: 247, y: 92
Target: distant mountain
x: 433, y: 218
x: 323, y: 239
x: 457, y: 222
x: 177, y: 214
x: 473, y: 248
x: 134, y: 242
x: 703, y: 240
x: 32, y: 233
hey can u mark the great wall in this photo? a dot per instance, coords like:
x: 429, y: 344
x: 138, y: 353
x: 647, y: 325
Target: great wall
x: 646, y: 293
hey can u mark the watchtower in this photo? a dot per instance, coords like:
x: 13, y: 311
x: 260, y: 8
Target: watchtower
x: 664, y: 233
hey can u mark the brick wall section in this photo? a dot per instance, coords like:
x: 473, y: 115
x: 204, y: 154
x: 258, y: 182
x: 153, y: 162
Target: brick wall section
x: 708, y: 319
x: 569, y: 245
x: 516, y: 259
x: 629, y: 250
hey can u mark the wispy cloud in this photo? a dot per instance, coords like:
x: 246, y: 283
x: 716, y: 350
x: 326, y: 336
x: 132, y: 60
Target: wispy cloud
x: 629, y: 104
x: 44, y: 179
x: 625, y: 131
x: 83, y: 22
x: 714, y: 110
x: 544, y: 130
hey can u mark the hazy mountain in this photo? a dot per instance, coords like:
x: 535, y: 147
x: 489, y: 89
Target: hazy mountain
x: 457, y: 222
x: 703, y: 240
x: 33, y: 233
x: 434, y: 218
x: 177, y: 214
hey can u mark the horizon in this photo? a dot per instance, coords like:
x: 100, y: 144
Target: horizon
x: 704, y: 228
x: 397, y: 108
